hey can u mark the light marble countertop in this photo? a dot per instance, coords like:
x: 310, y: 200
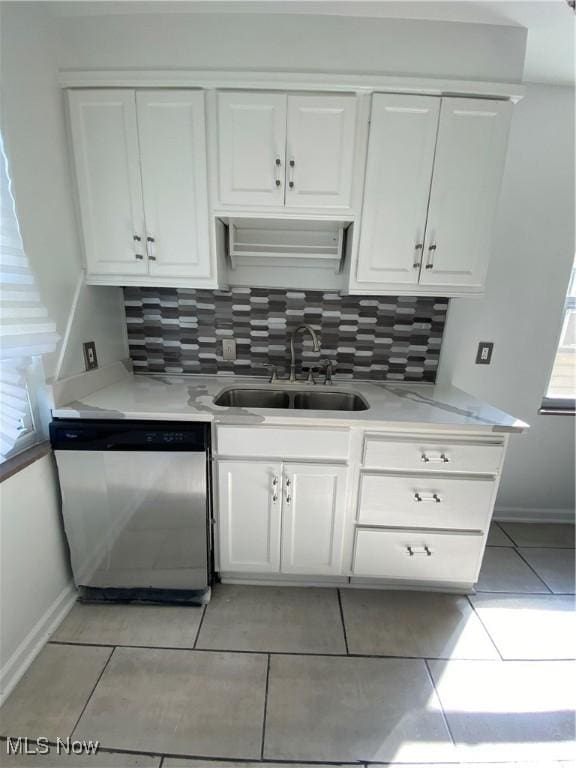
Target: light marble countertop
x: 191, y: 398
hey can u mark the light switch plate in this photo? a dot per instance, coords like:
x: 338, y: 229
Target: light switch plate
x: 484, y: 354
x: 228, y: 349
x: 90, y: 358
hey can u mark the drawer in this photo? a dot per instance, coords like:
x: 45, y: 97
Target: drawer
x: 432, y: 454
x: 418, y: 555
x: 283, y: 442
x: 425, y: 501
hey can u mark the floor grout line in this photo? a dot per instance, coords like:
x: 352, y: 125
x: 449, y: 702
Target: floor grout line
x: 92, y: 691
x: 475, y: 612
x: 265, y: 708
x: 444, y: 717
x: 343, y: 622
x: 533, y: 570
x: 308, y: 654
x: 199, y: 627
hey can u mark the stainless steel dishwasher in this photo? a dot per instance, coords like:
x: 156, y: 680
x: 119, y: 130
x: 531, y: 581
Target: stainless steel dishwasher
x: 136, y: 508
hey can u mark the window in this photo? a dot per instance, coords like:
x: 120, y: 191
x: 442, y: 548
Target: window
x: 561, y: 394
x: 26, y: 331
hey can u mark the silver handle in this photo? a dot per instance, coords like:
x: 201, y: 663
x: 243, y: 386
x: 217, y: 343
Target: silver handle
x: 138, y: 239
x: 292, y: 166
x: 418, y: 255
x: 288, y: 496
x: 274, y: 489
x: 434, y: 497
x: 277, y: 166
x: 430, y: 261
x: 150, y: 248
x: 442, y: 459
x: 419, y: 551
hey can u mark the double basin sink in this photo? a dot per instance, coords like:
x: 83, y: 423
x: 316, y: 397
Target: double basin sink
x: 291, y: 399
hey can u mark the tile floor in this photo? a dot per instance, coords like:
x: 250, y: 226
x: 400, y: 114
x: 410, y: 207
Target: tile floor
x: 291, y: 676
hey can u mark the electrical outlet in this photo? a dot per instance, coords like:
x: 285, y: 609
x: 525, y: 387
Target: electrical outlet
x: 228, y: 349
x: 90, y: 359
x: 484, y: 354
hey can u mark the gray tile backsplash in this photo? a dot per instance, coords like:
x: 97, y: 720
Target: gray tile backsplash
x: 176, y: 330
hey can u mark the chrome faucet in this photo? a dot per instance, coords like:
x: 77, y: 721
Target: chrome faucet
x: 301, y: 329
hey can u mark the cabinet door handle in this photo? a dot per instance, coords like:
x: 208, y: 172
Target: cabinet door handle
x: 411, y: 551
x: 433, y: 497
x: 430, y: 260
x: 150, y: 248
x: 138, y: 239
x: 292, y: 166
x: 443, y: 459
x: 288, y: 496
x: 418, y: 255
x: 275, y: 489
x: 277, y: 166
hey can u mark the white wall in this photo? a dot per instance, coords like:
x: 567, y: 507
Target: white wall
x: 523, y: 306
x: 298, y: 43
x: 35, y: 584
x: 34, y: 129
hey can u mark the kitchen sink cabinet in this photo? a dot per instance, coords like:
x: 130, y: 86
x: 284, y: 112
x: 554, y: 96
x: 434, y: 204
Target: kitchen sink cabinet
x: 249, y: 515
x: 432, y: 186
x: 286, y: 151
x: 140, y: 160
x: 280, y: 518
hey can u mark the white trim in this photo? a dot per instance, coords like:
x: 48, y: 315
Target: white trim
x: 14, y: 669
x: 533, y: 515
x: 359, y: 83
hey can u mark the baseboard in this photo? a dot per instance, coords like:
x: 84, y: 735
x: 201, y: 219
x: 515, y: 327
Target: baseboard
x: 533, y: 515
x: 30, y: 647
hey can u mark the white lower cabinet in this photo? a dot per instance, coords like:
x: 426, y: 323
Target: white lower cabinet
x: 313, y: 518
x: 418, y: 556
x: 280, y: 518
x: 249, y: 504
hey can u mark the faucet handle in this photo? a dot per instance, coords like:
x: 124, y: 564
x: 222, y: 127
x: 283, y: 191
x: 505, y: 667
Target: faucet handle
x: 328, y: 371
x: 273, y: 374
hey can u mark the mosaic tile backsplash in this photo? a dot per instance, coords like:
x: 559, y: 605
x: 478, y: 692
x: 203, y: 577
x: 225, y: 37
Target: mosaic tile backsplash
x: 175, y: 330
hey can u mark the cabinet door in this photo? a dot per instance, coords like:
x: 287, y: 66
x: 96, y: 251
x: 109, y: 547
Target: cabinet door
x: 173, y: 150
x: 313, y: 518
x: 320, y: 151
x: 252, y: 147
x: 249, y: 509
x: 105, y: 144
x: 398, y: 176
x: 470, y: 156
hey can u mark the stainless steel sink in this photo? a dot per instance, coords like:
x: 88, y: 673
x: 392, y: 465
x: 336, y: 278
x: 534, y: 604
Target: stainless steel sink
x: 291, y: 399
x: 253, y: 398
x: 330, y: 401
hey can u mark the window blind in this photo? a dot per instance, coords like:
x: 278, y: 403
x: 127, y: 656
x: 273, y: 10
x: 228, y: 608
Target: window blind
x: 25, y: 328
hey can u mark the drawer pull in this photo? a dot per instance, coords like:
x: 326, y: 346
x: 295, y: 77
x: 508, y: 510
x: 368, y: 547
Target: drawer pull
x: 442, y: 459
x: 275, y: 489
x: 434, y: 497
x: 419, y: 551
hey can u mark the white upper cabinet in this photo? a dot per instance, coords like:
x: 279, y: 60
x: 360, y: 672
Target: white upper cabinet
x: 432, y: 187
x: 398, y: 175
x: 252, y: 147
x: 173, y: 153
x: 105, y: 140
x: 286, y: 151
x: 140, y: 161
x: 320, y: 151
x: 470, y: 156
